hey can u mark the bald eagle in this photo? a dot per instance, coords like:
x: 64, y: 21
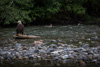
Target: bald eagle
x: 20, y: 28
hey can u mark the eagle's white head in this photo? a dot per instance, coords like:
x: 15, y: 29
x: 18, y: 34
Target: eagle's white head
x: 19, y: 22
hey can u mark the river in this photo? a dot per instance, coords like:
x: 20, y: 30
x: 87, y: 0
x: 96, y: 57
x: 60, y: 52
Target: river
x: 77, y: 35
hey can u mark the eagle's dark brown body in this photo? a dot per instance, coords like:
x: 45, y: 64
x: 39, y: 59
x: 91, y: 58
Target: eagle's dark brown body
x: 20, y: 29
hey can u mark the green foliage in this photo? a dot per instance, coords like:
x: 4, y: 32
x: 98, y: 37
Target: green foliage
x: 77, y: 9
x: 11, y: 13
x: 74, y: 6
x: 45, y: 8
x: 28, y: 10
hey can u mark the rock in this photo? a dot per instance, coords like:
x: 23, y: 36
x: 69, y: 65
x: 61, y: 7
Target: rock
x: 69, y: 49
x: 95, y: 38
x: 64, y: 57
x: 36, y: 51
x: 3, y: 52
x: 54, y: 53
x: 80, y: 42
x: 49, y: 50
x: 0, y: 49
x: 60, y: 47
x: 53, y: 40
x: 76, y: 49
x: 71, y: 56
x: 53, y: 45
x: 95, y: 50
x: 95, y: 60
x: 18, y: 45
x: 24, y: 48
x: 39, y: 42
x: 98, y: 58
x: 9, y: 56
x: 98, y: 47
x: 85, y: 46
x: 31, y: 57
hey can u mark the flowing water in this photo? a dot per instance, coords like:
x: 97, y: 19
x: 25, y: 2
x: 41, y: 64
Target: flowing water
x: 70, y: 34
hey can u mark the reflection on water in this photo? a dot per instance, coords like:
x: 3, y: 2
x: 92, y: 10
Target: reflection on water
x: 71, y: 34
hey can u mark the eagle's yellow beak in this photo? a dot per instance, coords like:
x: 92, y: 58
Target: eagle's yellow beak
x: 19, y: 21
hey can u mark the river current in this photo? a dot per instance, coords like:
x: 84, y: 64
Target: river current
x: 77, y: 35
